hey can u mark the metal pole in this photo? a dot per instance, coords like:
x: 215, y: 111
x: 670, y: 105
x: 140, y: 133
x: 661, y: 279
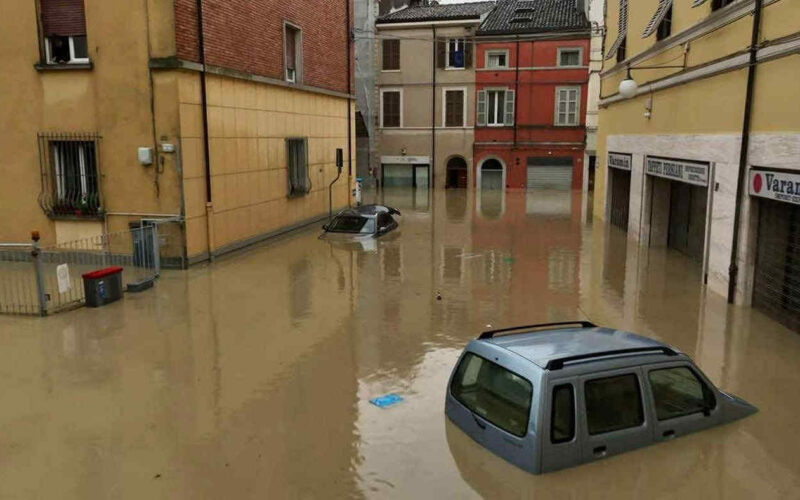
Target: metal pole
x: 733, y: 270
x: 37, y: 265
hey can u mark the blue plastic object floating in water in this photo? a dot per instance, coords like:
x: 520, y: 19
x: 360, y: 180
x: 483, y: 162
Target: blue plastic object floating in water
x: 387, y: 400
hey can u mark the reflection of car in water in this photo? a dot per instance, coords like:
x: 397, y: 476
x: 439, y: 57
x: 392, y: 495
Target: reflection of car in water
x: 547, y: 397
x: 368, y: 221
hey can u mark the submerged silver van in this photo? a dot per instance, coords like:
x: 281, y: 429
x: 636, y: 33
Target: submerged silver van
x: 546, y: 397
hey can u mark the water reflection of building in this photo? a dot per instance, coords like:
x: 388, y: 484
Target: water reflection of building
x: 534, y: 243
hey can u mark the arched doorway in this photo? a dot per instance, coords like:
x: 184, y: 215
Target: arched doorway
x: 492, y: 174
x: 456, y: 172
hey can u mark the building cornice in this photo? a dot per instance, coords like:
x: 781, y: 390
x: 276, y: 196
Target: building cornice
x: 167, y: 63
x: 714, y: 21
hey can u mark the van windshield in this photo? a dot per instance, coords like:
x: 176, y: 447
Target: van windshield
x: 494, y: 393
x: 352, y: 224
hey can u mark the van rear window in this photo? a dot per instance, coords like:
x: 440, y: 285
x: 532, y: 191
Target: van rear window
x: 490, y: 391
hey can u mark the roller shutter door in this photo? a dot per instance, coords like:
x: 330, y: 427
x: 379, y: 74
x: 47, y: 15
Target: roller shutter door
x: 776, y: 290
x: 550, y: 173
x: 398, y: 175
x: 620, y: 197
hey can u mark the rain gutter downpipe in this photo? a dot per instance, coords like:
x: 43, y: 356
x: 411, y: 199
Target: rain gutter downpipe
x: 204, y: 98
x: 516, y: 91
x: 432, y: 166
x: 733, y: 271
x: 349, y: 98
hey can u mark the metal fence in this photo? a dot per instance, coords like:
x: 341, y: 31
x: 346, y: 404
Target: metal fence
x: 42, y: 280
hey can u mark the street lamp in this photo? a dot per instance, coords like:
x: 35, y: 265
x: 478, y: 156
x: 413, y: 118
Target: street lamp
x: 628, y: 86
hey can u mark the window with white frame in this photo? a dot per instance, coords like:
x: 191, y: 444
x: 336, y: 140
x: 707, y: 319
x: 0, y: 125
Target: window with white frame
x: 64, y: 32
x: 391, y: 108
x: 293, y: 53
x: 454, y: 107
x: 495, y: 107
x: 568, y: 106
x: 497, y: 59
x: 455, y: 53
x: 570, y: 56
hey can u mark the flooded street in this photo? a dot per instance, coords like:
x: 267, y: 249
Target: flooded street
x: 251, y: 377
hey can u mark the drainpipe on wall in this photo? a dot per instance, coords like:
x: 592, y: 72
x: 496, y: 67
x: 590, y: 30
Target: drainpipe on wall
x: 349, y: 102
x: 516, y: 92
x: 433, y: 110
x: 733, y: 271
x: 206, y: 149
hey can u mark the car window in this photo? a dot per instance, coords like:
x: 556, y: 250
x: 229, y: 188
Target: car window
x: 346, y: 224
x: 562, y: 421
x: 677, y: 392
x: 384, y: 220
x: 613, y: 403
x: 496, y: 394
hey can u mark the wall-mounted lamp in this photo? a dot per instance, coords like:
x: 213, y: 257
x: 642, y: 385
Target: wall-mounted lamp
x: 628, y: 87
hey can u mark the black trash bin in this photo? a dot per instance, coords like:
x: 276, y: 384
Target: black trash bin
x: 103, y: 286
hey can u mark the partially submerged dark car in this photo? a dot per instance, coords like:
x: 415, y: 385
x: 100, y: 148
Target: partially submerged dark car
x: 547, y: 397
x: 367, y: 221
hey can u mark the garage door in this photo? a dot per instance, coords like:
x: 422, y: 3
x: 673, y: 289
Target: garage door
x: 398, y: 175
x: 777, y: 275
x: 687, y: 218
x: 550, y: 173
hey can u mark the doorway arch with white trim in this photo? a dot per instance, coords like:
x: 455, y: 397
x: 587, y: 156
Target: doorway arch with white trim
x: 490, y: 164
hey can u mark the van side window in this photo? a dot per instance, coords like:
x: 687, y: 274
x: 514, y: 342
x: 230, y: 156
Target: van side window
x: 496, y: 394
x: 562, y: 421
x: 613, y: 404
x: 678, y: 392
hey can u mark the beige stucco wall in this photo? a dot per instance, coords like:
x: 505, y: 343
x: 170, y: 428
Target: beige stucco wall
x: 415, y: 78
x: 248, y: 124
x: 111, y: 99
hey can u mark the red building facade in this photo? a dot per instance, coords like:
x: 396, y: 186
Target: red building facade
x: 531, y: 90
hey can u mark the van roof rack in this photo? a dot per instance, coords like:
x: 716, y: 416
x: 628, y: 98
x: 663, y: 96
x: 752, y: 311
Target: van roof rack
x: 491, y: 333
x: 557, y: 364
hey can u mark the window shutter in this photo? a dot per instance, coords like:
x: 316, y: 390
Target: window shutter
x: 441, y: 53
x: 467, y: 53
x: 306, y: 180
x: 698, y: 3
x: 63, y: 18
x: 623, y: 29
x: 481, y: 108
x: 661, y: 12
x: 509, y: 107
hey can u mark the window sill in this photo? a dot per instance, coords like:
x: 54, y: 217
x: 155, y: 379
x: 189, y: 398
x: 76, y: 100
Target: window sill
x: 390, y: 71
x: 454, y: 69
x: 40, y: 66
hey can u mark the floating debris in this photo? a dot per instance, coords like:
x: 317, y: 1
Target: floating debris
x: 387, y: 400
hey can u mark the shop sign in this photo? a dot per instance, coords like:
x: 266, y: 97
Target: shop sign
x: 620, y: 161
x: 684, y: 171
x: 779, y: 186
x: 406, y: 160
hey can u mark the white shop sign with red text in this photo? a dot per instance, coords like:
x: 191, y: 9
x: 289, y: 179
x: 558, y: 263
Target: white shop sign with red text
x: 774, y: 185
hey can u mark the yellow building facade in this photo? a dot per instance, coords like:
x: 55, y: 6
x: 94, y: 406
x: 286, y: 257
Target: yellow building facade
x: 130, y: 112
x: 670, y: 152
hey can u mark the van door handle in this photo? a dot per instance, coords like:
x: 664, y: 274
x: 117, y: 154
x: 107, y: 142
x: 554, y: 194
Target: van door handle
x: 669, y: 434
x: 600, y: 451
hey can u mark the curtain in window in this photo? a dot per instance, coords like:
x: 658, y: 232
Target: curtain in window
x: 661, y: 13
x: 63, y: 18
x: 623, y: 29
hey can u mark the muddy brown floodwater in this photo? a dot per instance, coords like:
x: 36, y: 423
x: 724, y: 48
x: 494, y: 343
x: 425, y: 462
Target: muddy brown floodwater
x: 251, y: 377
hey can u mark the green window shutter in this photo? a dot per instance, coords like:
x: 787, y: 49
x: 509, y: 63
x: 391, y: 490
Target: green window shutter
x: 509, y: 108
x: 481, y: 108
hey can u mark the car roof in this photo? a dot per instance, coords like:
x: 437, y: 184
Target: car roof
x: 368, y: 211
x: 545, y: 348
